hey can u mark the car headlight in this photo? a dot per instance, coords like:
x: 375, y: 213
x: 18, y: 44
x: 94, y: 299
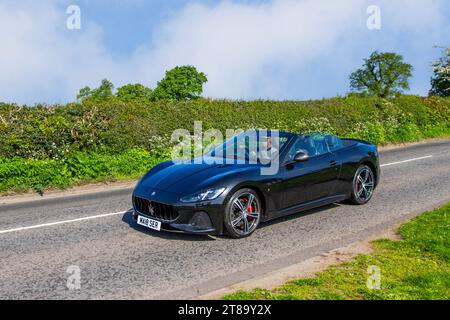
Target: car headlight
x: 209, y: 194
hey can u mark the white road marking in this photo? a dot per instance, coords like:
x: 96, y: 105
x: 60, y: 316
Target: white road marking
x: 408, y: 160
x: 123, y: 212
x: 61, y: 222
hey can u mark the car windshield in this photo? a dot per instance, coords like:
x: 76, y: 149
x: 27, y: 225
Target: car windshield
x: 253, y: 145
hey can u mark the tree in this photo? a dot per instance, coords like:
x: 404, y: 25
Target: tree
x: 181, y: 83
x: 84, y: 93
x: 132, y: 92
x: 383, y: 74
x: 440, y: 81
x: 104, y: 92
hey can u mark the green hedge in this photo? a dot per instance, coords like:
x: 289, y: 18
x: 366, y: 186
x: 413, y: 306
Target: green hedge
x: 53, y: 132
x: 40, y: 146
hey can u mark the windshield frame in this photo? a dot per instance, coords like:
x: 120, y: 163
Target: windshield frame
x: 236, y: 155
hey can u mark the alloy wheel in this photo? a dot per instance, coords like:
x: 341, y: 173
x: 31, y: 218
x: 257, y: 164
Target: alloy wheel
x: 245, y: 213
x: 364, y: 184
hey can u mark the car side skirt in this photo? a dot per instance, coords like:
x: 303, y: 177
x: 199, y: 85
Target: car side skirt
x: 310, y: 205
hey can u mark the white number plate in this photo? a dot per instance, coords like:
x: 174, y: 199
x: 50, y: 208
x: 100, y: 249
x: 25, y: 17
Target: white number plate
x: 149, y: 223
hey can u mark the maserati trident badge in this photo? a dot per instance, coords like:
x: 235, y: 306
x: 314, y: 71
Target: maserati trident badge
x: 151, y: 209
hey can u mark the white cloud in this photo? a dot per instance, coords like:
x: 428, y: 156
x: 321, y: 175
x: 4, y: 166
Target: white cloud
x: 40, y: 60
x: 247, y: 50
x: 233, y: 43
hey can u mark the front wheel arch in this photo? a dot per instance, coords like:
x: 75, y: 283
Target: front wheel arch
x: 229, y: 197
x: 256, y: 189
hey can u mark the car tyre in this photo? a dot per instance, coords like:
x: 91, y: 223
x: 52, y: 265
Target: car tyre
x: 363, y: 185
x: 242, y: 213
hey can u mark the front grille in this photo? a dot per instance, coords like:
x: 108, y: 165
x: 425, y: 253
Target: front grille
x: 154, y: 209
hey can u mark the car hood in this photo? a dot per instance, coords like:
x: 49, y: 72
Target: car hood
x: 185, y: 178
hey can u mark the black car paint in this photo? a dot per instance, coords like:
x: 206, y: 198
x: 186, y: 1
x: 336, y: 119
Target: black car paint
x: 297, y: 186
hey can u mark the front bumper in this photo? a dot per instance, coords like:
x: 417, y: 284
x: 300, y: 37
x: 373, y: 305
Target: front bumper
x: 179, y: 227
x: 193, y: 218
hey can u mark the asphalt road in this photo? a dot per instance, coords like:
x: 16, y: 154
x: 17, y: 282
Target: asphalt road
x: 39, y: 240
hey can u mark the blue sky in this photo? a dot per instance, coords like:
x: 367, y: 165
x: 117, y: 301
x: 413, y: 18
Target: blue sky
x: 281, y: 49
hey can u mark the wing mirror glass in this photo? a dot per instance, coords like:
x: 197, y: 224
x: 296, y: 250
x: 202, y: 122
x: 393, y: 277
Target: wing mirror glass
x: 301, y: 156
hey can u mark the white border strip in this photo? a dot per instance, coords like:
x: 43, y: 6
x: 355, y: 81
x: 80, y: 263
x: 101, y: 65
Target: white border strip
x: 404, y: 161
x: 62, y: 222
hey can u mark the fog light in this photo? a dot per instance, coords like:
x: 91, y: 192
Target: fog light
x: 201, y: 220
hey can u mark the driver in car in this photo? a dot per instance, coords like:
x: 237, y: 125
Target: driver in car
x: 268, y: 150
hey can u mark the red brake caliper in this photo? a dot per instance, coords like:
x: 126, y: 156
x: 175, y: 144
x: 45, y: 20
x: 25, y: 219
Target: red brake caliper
x: 250, y: 210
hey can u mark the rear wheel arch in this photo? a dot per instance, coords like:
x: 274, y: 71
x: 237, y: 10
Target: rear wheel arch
x: 372, y: 167
x: 363, y: 185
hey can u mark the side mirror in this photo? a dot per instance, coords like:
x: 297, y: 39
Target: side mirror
x: 301, y: 156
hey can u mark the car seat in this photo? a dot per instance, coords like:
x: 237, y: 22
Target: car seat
x: 333, y: 142
x: 310, y: 147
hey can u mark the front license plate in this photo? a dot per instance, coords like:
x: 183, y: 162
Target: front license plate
x: 149, y: 223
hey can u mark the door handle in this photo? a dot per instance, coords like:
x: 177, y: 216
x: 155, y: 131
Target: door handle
x: 333, y: 163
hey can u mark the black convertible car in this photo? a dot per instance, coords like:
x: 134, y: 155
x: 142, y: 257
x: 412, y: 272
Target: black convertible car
x: 233, y: 197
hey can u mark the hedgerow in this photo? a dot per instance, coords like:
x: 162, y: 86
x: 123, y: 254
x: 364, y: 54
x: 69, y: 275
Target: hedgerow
x: 19, y: 174
x: 58, y: 146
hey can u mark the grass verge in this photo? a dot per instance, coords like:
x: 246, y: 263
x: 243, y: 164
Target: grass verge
x: 416, y: 267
